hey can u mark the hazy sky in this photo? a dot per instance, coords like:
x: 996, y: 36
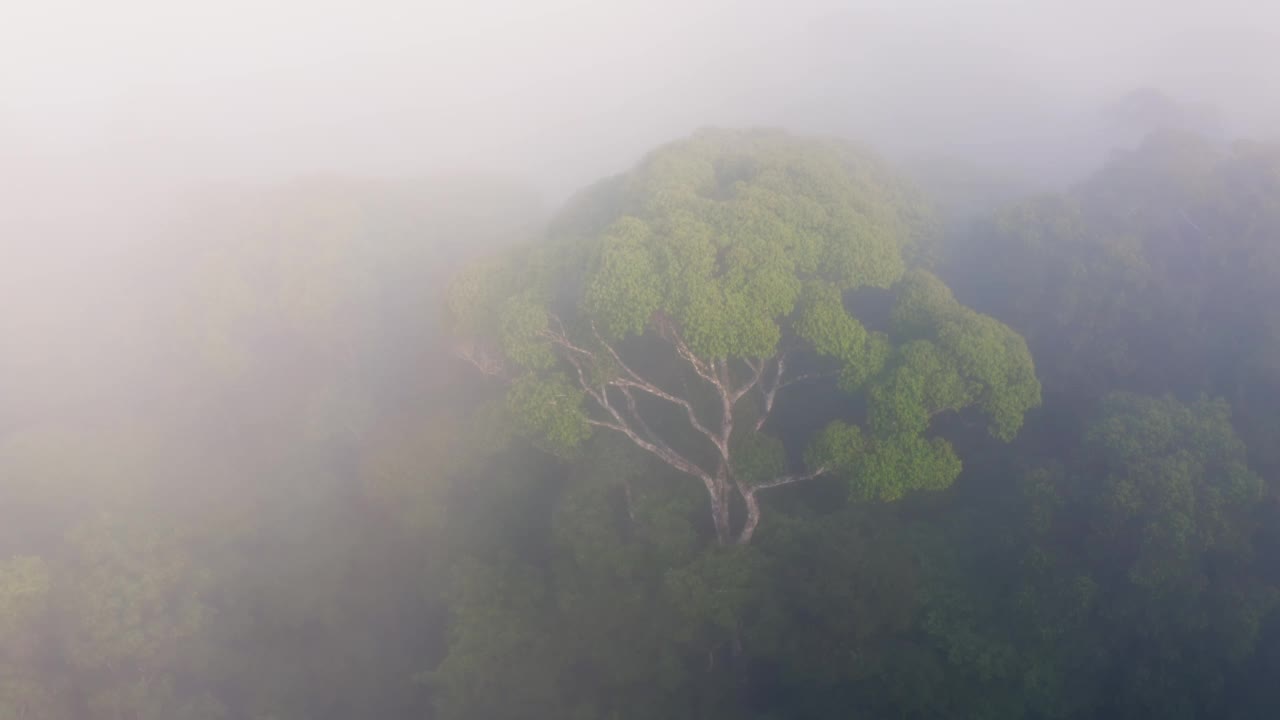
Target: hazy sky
x: 108, y: 107
x: 561, y: 91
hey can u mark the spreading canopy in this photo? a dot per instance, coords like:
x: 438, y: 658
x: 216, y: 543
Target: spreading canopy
x: 716, y: 266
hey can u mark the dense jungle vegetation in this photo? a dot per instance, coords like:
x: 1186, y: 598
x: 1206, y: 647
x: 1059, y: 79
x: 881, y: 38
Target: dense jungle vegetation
x: 762, y: 427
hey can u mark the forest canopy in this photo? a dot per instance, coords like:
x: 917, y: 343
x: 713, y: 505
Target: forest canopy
x: 717, y: 266
x: 746, y: 431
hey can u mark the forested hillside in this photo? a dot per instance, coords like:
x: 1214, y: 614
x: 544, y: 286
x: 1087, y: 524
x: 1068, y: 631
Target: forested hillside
x: 756, y: 428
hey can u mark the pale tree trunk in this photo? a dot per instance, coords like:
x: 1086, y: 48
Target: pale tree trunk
x: 615, y: 399
x: 721, y: 505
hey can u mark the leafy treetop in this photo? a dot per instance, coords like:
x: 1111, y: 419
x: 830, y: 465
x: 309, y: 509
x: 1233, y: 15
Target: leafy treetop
x: 719, y: 260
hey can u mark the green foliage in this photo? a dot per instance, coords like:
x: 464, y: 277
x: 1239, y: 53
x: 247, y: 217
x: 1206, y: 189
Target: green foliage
x: 721, y: 233
x: 885, y: 466
x: 839, y: 446
x: 24, y: 598
x: 840, y: 589
x: 136, y: 600
x: 1156, y: 273
x: 740, y: 239
x: 1176, y: 482
x: 323, y: 519
x: 823, y: 321
x: 977, y: 359
x: 522, y: 324
x: 1118, y: 565
x: 718, y: 588
x: 24, y: 585
x: 495, y: 625
x: 550, y: 409
x: 891, y: 468
x: 625, y: 290
x: 1176, y: 502
x: 758, y: 458
x: 921, y: 384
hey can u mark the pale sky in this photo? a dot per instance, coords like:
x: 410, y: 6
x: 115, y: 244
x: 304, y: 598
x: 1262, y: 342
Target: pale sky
x: 564, y: 90
x: 109, y: 108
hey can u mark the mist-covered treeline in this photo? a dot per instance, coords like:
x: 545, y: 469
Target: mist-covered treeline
x: 764, y: 426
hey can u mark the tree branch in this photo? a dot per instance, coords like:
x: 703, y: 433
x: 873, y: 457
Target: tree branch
x: 660, y: 449
x: 807, y: 377
x: 627, y: 419
x: 770, y: 390
x: 757, y: 371
x: 561, y: 338
x: 610, y: 426
x: 789, y: 479
x: 753, y: 503
x: 625, y: 385
x: 639, y: 420
x: 724, y: 379
x: 487, y: 363
x: 702, y: 368
x: 635, y: 380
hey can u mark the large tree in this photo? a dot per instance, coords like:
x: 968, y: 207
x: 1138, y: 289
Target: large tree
x: 718, y: 272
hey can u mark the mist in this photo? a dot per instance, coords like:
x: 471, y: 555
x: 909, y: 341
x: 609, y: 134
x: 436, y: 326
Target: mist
x: 113, y: 115
x: 558, y: 93
x: 234, y: 392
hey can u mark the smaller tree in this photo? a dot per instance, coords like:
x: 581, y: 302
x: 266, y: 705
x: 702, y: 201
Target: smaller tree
x: 1132, y: 584
x: 27, y: 688
x: 673, y: 304
x: 1175, y: 513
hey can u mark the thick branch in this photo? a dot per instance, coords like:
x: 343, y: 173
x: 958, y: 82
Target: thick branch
x: 608, y: 425
x: 703, y: 369
x: 625, y: 385
x: 717, y: 373
x: 807, y: 377
x: 753, y: 502
x: 635, y: 428
x: 770, y: 390
x: 639, y: 420
x: 757, y: 371
x: 582, y: 381
x: 627, y: 419
x: 712, y: 372
x: 724, y: 379
x: 665, y: 453
x: 788, y: 479
x: 484, y: 361
x: 561, y: 338
x: 635, y: 380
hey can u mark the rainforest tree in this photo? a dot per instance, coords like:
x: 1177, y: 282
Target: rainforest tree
x: 1158, y: 273
x: 703, y: 283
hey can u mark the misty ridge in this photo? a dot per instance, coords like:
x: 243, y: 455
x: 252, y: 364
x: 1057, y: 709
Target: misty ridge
x: 637, y: 360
